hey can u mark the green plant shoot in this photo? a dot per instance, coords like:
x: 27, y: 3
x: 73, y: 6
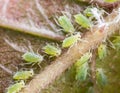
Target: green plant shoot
x: 101, y: 77
x: 32, y: 57
x: 90, y: 90
x: 82, y: 20
x: 83, y: 59
x: 23, y: 75
x: 16, y: 87
x: 82, y: 72
x: 66, y: 24
x: 52, y: 50
x: 102, y: 52
x: 69, y: 41
x: 110, y: 1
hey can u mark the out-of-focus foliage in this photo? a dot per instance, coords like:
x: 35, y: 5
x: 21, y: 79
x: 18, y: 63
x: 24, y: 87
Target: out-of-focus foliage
x: 110, y: 1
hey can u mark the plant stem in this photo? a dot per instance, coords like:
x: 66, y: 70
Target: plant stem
x: 44, y: 33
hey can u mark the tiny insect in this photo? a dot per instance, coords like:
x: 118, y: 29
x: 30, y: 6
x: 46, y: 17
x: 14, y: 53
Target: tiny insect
x: 66, y: 24
x: 116, y: 42
x: 69, y: 41
x: 102, y: 52
x: 82, y: 20
x: 16, y: 87
x: 87, y: 12
x: 52, y: 50
x: 83, y: 59
x: 31, y: 57
x: 101, y: 77
x: 23, y: 75
x: 82, y: 72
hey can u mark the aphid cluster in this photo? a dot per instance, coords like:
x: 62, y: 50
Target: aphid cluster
x: 82, y: 65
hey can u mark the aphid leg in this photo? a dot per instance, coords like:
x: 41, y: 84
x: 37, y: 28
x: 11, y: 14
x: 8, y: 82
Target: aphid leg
x: 39, y: 65
x: 33, y: 64
x: 111, y: 44
x: 55, y: 19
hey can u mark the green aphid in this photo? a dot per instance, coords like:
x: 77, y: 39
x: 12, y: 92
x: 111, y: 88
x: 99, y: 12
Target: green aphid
x: 83, y: 59
x: 66, y: 24
x: 32, y: 57
x: 82, y: 20
x: 110, y: 1
x: 69, y: 41
x: 116, y: 42
x: 101, y: 77
x: 82, y: 72
x: 102, y: 52
x: 16, y: 87
x: 23, y: 75
x: 52, y: 50
x: 87, y: 12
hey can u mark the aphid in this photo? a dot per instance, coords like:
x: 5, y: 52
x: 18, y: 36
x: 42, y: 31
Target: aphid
x: 67, y: 42
x: 88, y: 12
x: 52, y: 50
x: 102, y: 52
x: 31, y: 57
x: 23, y: 75
x: 110, y: 1
x: 82, y: 72
x: 66, y: 24
x: 116, y: 42
x: 83, y: 59
x: 82, y: 20
x: 101, y: 77
x: 16, y: 87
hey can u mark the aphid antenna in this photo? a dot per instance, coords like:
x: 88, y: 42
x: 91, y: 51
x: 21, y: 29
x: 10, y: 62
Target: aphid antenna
x: 55, y: 19
x: 30, y: 47
x: 41, y: 10
x: 15, y: 46
x: 110, y: 43
x: 65, y: 13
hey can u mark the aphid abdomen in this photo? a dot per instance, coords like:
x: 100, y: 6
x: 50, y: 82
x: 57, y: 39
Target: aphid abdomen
x: 82, y: 20
x: 32, y: 57
x: 23, y: 75
x: 69, y: 41
x: 51, y: 50
x: 16, y: 87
